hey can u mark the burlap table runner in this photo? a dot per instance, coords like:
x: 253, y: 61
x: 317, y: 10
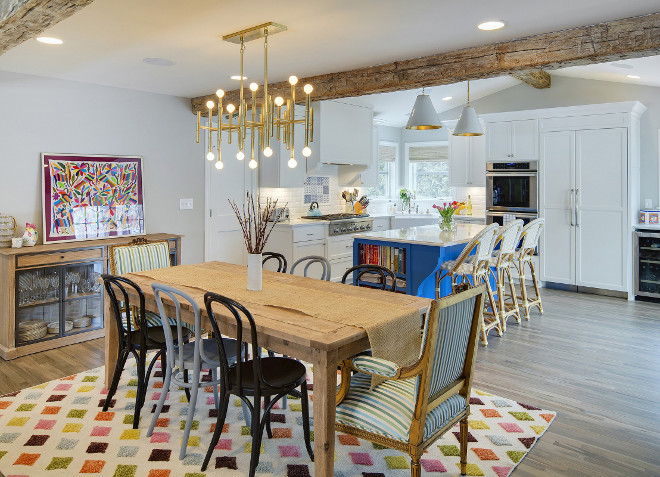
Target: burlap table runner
x: 393, y: 329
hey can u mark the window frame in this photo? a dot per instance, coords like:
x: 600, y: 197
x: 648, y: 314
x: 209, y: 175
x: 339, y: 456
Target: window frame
x: 390, y: 186
x: 410, y: 176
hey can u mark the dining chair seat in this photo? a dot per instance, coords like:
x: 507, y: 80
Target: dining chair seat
x: 210, y: 347
x: 388, y: 408
x: 280, y: 372
x: 465, y: 268
x: 156, y: 335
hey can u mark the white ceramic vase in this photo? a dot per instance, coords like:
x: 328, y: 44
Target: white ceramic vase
x: 254, y: 271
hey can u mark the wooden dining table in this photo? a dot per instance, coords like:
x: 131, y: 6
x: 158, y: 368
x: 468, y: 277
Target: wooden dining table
x: 323, y: 343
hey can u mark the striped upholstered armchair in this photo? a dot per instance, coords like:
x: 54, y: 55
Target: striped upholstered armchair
x: 138, y: 256
x: 417, y: 404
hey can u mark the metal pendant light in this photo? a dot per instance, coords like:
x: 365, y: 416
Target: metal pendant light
x: 423, y: 115
x: 468, y: 124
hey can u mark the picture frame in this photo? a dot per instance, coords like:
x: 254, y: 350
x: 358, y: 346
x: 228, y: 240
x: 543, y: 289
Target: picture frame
x: 90, y: 196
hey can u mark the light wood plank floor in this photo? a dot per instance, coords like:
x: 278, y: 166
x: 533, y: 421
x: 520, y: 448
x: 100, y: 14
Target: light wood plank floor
x: 594, y: 360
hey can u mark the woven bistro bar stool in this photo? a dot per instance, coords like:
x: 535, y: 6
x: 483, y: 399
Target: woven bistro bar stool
x: 502, y: 260
x: 530, y: 239
x: 471, y: 270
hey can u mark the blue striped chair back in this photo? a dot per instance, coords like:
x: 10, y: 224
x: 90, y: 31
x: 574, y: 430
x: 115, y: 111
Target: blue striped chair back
x: 448, y: 360
x: 139, y: 258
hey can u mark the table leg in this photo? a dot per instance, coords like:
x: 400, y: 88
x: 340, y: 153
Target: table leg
x: 325, y: 390
x: 111, y: 338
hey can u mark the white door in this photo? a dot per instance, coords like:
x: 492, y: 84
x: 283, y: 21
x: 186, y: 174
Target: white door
x: 459, y: 158
x: 498, y: 138
x: 601, y: 224
x: 557, y: 186
x: 223, y: 236
x: 524, y: 140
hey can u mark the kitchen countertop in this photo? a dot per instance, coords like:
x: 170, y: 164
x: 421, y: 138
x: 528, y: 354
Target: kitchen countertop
x: 647, y: 226
x: 426, y: 235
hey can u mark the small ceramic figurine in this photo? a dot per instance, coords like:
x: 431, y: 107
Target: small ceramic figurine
x: 30, y: 235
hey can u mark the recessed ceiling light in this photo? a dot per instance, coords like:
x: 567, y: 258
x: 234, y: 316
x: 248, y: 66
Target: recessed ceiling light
x: 633, y: 76
x: 625, y: 66
x: 491, y: 25
x: 49, y: 40
x: 158, y: 61
x: 237, y: 77
x: 447, y: 98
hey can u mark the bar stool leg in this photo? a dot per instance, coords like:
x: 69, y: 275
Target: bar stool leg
x: 499, y: 282
x: 514, y: 297
x: 523, y: 289
x: 538, y: 303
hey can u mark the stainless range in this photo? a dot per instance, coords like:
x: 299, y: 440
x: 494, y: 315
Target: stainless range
x: 341, y: 224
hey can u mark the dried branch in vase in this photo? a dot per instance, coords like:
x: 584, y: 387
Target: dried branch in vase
x: 253, y: 219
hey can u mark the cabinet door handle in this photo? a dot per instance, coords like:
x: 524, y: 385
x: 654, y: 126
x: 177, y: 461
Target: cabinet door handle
x: 309, y: 235
x: 572, y: 205
x: 577, y: 208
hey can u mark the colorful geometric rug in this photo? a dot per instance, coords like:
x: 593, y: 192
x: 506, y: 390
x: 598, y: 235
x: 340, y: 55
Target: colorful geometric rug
x: 58, y: 429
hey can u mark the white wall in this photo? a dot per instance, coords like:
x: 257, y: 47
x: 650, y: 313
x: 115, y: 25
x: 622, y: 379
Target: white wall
x: 45, y: 115
x: 573, y: 92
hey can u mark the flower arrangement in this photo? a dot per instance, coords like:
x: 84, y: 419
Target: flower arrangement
x: 447, y: 212
x: 253, y: 219
x: 406, y: 195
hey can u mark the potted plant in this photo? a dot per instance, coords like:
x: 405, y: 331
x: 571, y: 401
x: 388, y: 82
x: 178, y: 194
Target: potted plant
x: 447, y: 214
x: 253, y: 219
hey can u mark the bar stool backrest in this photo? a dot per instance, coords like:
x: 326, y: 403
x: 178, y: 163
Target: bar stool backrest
x: 312, y: 259
x: 483, y: 242
x: 530, y: 235
x: 509, y: 237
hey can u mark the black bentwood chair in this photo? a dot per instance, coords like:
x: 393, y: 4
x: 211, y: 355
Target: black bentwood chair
x: 372, y: 276
x: 260, y: 377
x: 137, y: 342
x: 278, y: 257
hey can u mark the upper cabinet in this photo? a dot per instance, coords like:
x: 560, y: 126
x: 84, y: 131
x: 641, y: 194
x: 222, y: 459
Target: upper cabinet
x: 342, y: 134
x: 512, y: 140
x: 467, y: 159
x: 274, y: 171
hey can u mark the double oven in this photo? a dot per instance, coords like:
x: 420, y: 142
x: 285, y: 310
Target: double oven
x: 511, y: 192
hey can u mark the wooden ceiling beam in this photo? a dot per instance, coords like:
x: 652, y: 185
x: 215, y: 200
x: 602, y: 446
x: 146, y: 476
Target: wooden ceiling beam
x: 621, y: 39
x: 537, y: 79
x: 21, y: 20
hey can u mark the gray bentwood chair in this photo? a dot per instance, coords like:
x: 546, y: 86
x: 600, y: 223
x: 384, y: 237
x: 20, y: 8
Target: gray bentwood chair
x: 189, y: 358
x: 311, y: 260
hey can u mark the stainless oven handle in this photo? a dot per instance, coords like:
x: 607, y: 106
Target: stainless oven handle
x: 577, y: 209
x: 512, y: 174
x: 516, y: 214
x: 572, y: 206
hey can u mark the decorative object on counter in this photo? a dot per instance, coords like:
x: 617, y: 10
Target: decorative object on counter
x: 649, y: 216
x: 316, y: 189
x: 91, y: 196
x: 270, y: 119
x: 350, y: 197
x: 314, y: 210
x: 256, y: 230
x: 16, y: 242
x: 447, y: 212
x: 468, y: 206
x: 406, y: 196
x: 30, y: 235
x: 7, y: 229
x: 468, y: 124
x: 423, y: 115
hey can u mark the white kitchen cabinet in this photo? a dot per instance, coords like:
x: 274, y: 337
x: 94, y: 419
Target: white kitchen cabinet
x: 274, y: 171
x: 515, y: 140
x: 298, y: 241
x: 584, y: 199
x: 413, y: 220
x: 467, y: 159
x: 343, y: 134
x: 381, y: 223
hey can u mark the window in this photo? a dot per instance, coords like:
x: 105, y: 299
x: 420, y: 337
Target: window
x: 429, y: 169
x: 387, y: 154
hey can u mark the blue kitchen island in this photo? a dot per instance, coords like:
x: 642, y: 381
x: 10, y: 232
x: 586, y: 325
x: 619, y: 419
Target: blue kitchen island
x: 414, y: 254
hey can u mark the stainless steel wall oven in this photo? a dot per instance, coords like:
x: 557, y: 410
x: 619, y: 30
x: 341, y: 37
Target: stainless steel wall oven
x: 512, y: 186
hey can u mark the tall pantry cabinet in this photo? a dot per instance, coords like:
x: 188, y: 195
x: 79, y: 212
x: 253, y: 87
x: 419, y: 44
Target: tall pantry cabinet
x: 589, y: 195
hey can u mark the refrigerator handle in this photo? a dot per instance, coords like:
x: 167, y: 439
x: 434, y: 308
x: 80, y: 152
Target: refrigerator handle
x: 572, y: 206
x: 577, y: 209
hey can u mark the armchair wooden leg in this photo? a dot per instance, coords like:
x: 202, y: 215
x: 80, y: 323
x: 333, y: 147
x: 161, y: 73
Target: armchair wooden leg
x: 464, y: 444
x: 415, y: 467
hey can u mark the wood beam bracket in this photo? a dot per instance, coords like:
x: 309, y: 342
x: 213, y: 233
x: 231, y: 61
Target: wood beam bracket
x: 537, y: 79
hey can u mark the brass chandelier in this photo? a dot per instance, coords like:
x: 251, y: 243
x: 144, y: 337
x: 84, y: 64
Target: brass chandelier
x: 268, y: 118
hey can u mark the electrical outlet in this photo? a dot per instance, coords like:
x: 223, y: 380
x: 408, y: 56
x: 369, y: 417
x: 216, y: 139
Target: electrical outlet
x: 185, y: 204
x: 648, y: 203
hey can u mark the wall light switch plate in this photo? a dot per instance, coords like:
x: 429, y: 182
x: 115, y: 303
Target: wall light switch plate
x: 185, y: 204
x: 648, y: 203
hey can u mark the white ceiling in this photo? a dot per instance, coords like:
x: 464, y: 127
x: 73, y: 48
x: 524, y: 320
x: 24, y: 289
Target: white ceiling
x: 106, y: 42
x: 648, y: 70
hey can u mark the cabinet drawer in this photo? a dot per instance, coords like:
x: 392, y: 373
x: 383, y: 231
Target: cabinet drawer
x: 306, y: 233
x: 306, y: 249
x: 340, y: 248
x: 55, y: 257
x: 339, y: 267
x: 381, y: 223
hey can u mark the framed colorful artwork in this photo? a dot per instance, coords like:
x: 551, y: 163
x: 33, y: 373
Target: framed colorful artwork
x: 91, y: 196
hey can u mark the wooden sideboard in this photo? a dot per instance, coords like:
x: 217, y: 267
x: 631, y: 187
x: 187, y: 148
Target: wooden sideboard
x: 57, y: 284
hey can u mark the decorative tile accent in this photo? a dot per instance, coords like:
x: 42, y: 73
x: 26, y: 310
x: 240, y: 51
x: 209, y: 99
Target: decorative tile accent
x: 316, y: 189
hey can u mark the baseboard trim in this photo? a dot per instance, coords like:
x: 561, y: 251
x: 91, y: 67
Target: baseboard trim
x: 590, y: 290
